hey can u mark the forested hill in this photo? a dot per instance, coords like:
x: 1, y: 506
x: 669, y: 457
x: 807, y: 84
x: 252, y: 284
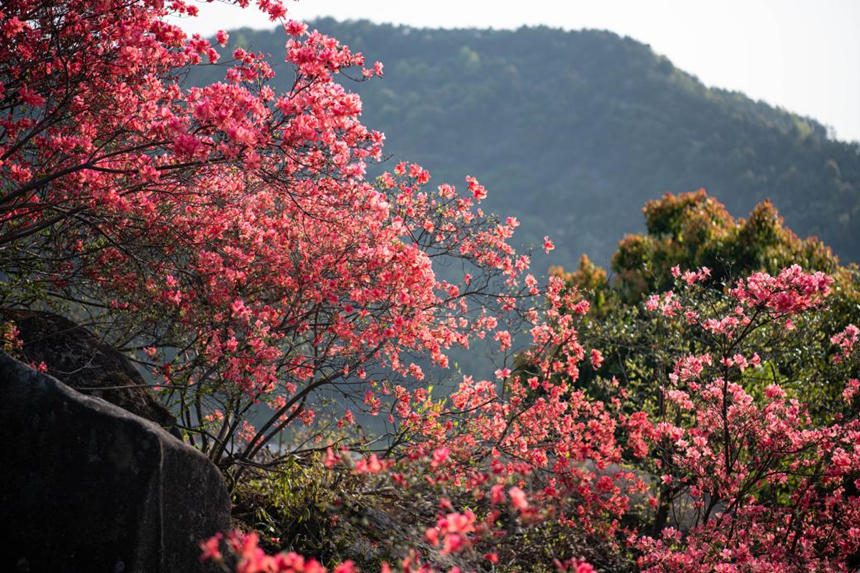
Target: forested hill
x: 573, y: 131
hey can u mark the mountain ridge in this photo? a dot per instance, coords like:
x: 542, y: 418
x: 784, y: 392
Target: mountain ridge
x: 573, y: 131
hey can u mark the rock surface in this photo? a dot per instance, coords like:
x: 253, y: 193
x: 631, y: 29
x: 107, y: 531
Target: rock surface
x: 87, y: 486
x: 77, y: 357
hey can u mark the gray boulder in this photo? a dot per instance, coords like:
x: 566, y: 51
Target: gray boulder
x: 78, y: 358
x: 87, y: 486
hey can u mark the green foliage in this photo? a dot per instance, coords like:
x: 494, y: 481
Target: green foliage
x: 693, y: 230
x: 535, y: 547
x: 331, y: 515
x: 290, y: 508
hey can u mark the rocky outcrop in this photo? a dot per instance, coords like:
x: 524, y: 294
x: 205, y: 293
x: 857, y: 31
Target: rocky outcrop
x: 87, y: 486
x: 75, y: 356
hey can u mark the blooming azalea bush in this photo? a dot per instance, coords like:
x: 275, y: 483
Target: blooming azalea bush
x: 762, y: 484
x: 765, y: 484
x: 770, y: 488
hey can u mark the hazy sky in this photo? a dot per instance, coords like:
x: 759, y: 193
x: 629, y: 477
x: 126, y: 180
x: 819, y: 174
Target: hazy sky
x: 800, y: 55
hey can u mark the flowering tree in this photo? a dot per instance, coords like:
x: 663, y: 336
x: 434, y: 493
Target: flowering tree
x: 227, y: 233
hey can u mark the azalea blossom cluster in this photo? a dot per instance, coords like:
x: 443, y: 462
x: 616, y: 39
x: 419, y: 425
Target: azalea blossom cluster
x: 790, y: 292
x: 251, y: 559
x: 770, y: 490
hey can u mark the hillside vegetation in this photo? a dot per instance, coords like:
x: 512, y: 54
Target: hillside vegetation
x: 572, y: 131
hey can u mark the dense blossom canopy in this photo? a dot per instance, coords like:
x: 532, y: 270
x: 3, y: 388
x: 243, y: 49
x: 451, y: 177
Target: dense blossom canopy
x: 227, y: 231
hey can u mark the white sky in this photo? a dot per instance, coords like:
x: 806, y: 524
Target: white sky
x: 802, y: 55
